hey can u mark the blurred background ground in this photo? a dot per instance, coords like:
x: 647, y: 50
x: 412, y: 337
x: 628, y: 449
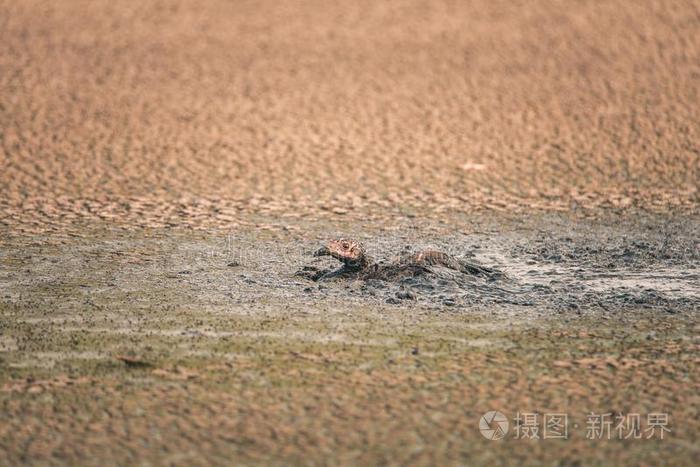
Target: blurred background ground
x: 157, y: 110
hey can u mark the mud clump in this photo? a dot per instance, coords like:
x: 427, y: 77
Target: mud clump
x: 357, y: 264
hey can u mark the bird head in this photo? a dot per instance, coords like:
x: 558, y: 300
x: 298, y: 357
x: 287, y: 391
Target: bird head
x: 350, y: 252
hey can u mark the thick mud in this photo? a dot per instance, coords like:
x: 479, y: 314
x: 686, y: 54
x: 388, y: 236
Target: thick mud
x: 171, y: 346
x: 553, y: 263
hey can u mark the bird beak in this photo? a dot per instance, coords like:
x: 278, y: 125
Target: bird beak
x: 325, y: 251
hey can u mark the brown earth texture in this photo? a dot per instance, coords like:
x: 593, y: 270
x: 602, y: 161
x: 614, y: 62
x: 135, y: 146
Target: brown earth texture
x: 166, y: 167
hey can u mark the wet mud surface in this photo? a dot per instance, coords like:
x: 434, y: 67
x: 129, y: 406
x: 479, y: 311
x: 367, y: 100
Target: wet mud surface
x: 181, y: 346
x: 549, y: 262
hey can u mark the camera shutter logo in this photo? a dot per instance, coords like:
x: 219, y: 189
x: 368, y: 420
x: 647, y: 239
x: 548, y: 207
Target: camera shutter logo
x: 493, y: 425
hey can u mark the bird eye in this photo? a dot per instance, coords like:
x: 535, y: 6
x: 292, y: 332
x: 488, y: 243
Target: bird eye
x: 346, y: 245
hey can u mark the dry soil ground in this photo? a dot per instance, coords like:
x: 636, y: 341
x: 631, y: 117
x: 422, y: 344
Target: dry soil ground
x: 167, y: 166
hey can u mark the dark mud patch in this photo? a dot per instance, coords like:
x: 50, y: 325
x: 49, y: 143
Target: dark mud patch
x: 561, y: 266
x: 551, y: 263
